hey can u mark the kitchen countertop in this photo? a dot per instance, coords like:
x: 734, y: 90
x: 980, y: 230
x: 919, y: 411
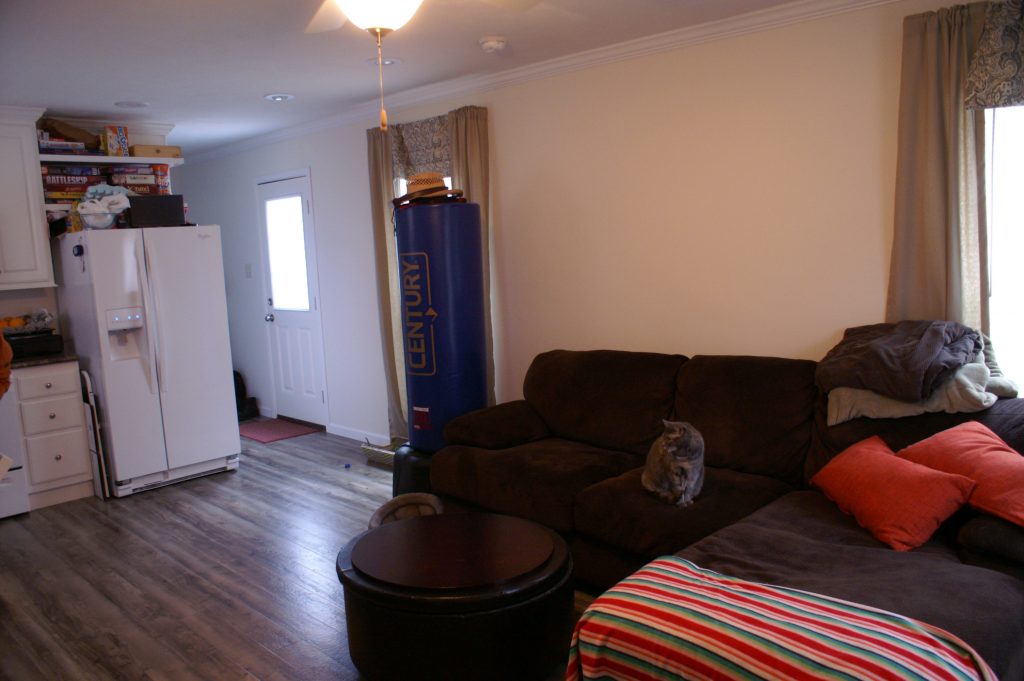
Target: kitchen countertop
x: 42, y: 360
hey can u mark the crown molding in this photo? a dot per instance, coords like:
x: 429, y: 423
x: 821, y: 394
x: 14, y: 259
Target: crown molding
x: 776, y: 17
x: 20, y: 115
x: 98, y: 124
x: 752, y: 22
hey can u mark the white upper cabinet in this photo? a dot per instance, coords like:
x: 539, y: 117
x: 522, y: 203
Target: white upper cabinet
x: 24, y: 234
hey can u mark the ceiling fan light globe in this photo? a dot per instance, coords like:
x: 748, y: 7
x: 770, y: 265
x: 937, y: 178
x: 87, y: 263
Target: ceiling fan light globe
x: 390, y: 15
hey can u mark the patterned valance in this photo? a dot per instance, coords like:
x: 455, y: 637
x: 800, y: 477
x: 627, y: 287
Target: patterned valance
x: 422, y: 146
x: 996, y: 74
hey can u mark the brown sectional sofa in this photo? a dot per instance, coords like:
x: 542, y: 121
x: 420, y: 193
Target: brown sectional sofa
x: 569, y: 455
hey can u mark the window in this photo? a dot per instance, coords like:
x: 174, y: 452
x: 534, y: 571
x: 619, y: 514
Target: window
x: 1005, y: 177
x: 286, y: 247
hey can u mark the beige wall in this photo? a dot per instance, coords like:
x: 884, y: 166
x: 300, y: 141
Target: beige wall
x: 729, y: 197
x: 224, y: 192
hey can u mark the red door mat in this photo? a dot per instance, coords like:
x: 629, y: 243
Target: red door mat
x: 272, y: 430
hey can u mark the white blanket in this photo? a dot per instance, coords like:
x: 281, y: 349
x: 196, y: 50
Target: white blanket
x: 972, y: 388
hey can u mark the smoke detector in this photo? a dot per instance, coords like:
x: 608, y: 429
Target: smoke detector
x: 492, y: 44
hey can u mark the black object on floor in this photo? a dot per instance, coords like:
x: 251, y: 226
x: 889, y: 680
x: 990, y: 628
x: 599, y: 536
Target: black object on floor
x: 245, y: 405
x: 412, y: 471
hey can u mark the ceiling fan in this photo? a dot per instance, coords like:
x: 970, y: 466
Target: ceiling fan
x: 329, y: 16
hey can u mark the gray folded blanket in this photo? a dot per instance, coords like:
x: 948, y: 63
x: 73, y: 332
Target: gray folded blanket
x: 895, y: 357
x: 905, y: 361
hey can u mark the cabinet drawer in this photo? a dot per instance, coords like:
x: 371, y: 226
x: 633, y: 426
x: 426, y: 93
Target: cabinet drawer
x: 44, y: 416
x: 53, y: 379
x: 56, y: 456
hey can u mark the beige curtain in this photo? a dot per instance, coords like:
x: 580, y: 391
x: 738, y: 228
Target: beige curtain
x: 382, y: 190
x: 455, y: 143
x: 938, y: 268
x: 470, y: 167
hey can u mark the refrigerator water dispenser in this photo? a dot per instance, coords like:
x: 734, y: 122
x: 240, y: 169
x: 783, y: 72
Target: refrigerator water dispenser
x: 124, y: 325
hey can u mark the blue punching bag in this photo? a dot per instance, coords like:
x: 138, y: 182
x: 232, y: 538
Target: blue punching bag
x: 441, y: 280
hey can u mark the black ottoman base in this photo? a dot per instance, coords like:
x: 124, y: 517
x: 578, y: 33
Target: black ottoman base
x: 514, y: 629
x: 525, y: 641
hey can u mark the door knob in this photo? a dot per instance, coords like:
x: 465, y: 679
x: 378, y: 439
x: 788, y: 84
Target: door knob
x: 269, y: 317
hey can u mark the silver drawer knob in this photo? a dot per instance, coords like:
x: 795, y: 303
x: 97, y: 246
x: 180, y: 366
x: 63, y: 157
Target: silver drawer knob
x: 53, y: 415
x: 49, y: 385
x: 58, y: 457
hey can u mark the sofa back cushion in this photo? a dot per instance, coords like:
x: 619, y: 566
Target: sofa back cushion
x: 607, y: 398
x: 755, y: 413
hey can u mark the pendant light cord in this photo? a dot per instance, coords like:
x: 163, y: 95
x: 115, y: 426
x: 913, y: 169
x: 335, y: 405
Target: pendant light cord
x: 380, y: 72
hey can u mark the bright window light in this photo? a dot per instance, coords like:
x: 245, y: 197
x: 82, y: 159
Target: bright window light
x: 403, y: 185
x: 1006, y: 236
x: 289, y: 283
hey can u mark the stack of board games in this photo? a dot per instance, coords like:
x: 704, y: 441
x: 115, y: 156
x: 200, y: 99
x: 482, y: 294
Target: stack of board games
x: 143, y: 180
x: 68, y: 184
x: 58, y: 145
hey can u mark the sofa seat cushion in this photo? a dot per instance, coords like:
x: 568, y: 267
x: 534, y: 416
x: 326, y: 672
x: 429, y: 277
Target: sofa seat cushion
x: 538, y: 480
x: 621, y: 513
x: 607, y: 398
x: 804, y: 541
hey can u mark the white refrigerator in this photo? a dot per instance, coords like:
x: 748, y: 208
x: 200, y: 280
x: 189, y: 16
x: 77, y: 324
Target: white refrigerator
x: 146, y: 313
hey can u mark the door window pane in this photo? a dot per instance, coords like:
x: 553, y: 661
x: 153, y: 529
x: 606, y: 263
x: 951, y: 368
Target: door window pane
x: 286, y: 244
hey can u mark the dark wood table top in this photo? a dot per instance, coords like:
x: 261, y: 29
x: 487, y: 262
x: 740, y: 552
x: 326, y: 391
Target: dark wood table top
x: 452, y: 551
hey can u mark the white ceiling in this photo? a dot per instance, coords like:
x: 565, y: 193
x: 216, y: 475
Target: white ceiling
x: 204, y: 65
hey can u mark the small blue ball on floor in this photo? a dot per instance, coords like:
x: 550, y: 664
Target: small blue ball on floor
x: 348, y: 465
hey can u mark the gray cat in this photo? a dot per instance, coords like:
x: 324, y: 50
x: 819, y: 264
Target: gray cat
x: 675, y: 464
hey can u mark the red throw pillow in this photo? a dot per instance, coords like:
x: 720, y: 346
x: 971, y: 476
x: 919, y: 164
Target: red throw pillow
x: 900, y: 502
x: 971, y: 449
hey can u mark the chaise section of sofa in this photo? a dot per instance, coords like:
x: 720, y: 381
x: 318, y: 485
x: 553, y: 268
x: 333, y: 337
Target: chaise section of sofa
x: 804, y: 541
x: 587, y: 416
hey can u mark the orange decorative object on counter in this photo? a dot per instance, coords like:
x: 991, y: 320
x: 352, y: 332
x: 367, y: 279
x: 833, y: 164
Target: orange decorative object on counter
x: 5, y: 365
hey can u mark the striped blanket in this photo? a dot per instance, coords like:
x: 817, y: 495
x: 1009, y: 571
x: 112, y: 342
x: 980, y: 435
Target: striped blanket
x: 674, y: 620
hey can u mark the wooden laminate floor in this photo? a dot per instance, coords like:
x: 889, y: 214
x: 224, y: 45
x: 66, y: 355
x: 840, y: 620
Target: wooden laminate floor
x: 230, y: 576
x: 225, y: 577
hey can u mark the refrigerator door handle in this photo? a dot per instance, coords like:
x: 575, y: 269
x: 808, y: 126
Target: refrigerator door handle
x: 154, y: 323
x: 147, y: 304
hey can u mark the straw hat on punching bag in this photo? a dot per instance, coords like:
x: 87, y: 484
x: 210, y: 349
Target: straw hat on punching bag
x: 427, y: 188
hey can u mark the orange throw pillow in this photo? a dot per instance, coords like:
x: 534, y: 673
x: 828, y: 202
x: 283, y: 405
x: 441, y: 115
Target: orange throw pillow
x: 900, y: 502
x: 971, y: 449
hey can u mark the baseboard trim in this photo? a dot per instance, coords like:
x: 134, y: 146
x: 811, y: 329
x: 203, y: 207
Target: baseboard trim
x: 60, y: 495
x: 356, y: 434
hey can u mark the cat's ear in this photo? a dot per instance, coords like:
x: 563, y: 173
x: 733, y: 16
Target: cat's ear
x: 666, y: 423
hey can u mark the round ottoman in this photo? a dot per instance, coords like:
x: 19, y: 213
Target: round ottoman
x: 457, y: 596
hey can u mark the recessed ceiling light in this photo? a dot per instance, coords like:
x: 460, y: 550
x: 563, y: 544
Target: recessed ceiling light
x: 493, y: 43
x: 279, y: 97
x: 388, y: 61
x: 131, y: 104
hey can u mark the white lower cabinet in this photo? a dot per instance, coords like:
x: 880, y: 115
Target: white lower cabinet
x: 54, y: 443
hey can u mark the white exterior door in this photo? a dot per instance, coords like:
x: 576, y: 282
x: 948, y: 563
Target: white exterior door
x: 293, y: 299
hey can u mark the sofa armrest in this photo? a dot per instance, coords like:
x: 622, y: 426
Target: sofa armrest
x: 498, y: 427
x: 994, y: 543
